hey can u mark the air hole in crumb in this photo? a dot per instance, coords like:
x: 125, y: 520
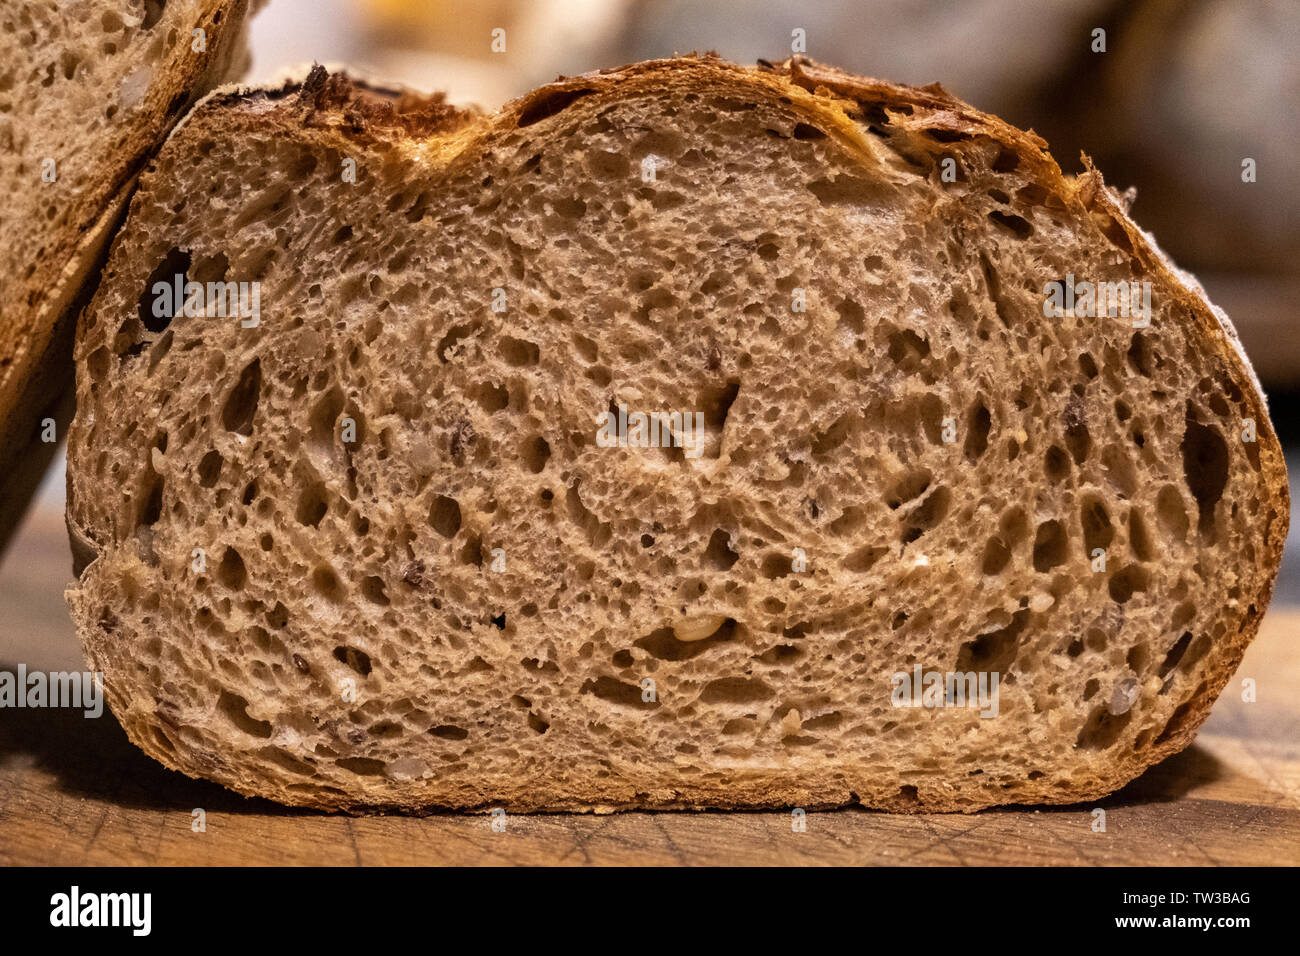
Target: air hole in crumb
x: 1097, y: 529
x: 231, y: 572
x: 312, y: 504
x: 1119, y: 469
x: 447, y: 344
x: 359, y: 661
x: 664, y: 645
x: 1131, y: 580
x: 1050, y: 546
x: 1205, y: 468
x: 775, y: 565
x: 536, y: 454
x: 1179, y: 719
x: 362, y: 766
x: 614, y: 691
x: 153, y: 11
x: 1056, y: 464
x: 1175, y: 654
x: 927, y: 515
x: 717, y: 555
x: 323, y: 416
x: 518, y: 352
x: 1139, y: 537
x: 907, y: 349
x: 372, y: 589
x: 175, y: 264
x: 1114, y: 231
x: 152, y: 510
x: 1102, y: 729
x: 210, y: 469
x: 492, y: 398
x: 1077, y: 438
x: 716, y: 403
x: 941, y: 135
x: 545, y: 104
x: 1141, y: 356
x: 996, y: 557
x: 449, y: 732
x: 864, y: 558
x: 1006, y: 162
x: 735, y: 690
x: 236, y: 710
x: 824, y: 442
x: 978, y: 422
x: 1016, y: 225
x: 909, y: 487
x: 327, y: 584
x: 847, y: 190
x: 1172, y: 513
x: 444, y: 516
x: 241, y: 404
x: 996, y: 650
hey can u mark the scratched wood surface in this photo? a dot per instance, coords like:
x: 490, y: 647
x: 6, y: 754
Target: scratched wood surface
x: 75, y: 791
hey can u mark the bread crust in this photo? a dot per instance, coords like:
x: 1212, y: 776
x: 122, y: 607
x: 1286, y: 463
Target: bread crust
x: 38, y: 311
x: 334, y: 111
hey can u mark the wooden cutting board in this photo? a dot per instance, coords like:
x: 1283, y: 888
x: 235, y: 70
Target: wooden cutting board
x: 75, y: 791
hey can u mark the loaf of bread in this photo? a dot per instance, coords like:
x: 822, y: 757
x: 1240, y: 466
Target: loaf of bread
x: 679, y: 436
x: 87, y: 92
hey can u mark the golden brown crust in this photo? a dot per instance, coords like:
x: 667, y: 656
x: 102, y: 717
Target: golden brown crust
x: 363, y: 107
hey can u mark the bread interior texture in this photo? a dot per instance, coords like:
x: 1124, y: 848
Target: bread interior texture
x: 890, y: 459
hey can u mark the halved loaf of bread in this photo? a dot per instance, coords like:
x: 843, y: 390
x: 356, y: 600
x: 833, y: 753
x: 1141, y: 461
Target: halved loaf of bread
x: 87, y: 91
x: 415, y: 527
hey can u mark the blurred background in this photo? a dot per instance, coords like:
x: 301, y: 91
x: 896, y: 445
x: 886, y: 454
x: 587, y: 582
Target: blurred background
x: 1184, y: 92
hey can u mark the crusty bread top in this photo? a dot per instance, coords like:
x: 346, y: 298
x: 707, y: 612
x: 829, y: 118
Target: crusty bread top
x: 366, y: 561
x: 393, y: 110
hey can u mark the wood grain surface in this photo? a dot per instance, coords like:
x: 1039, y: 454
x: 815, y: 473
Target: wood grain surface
x: 75, y: 791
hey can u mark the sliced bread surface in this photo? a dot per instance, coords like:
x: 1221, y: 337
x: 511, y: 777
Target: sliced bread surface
x: 88, y: 89
x: 380, y: 545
